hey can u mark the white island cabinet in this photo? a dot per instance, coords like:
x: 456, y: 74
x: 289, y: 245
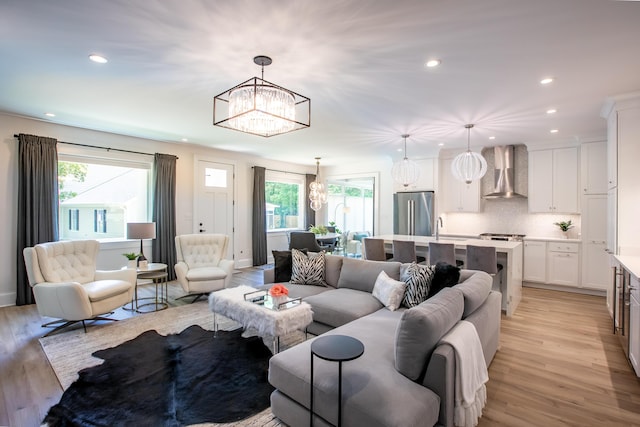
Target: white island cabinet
x: 509, y: 255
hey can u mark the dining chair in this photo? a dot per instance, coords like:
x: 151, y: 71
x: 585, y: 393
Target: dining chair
x: 484, y: 258
x: 405, y: 251
x: 442, y: 252
x: 374, y: 249
x: 305, y: 240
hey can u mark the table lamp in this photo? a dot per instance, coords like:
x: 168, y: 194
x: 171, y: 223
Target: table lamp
x: 141, y: 230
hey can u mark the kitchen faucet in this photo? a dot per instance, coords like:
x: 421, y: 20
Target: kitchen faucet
x: 438, y: 225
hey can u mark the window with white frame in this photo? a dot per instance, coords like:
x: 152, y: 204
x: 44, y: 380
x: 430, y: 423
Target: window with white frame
x: 99, y: 195
x: 285, y: 201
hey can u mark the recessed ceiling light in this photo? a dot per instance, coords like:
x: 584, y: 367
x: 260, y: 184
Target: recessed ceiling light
x: 399, y: 150
x: 440, y: 144
x: 98, y: 58
x: 49, y: 114
x: 433, y: 63
x: 546, y: 81
x: 551, y: 111
x: 492, y: 137
x: 184, y: 140
x: 554, y: 131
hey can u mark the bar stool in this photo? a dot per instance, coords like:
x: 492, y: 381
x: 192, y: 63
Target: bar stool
x: 442, y: 252
x: 485, y: 258
x: 404, y: 251
x: 374, y: 249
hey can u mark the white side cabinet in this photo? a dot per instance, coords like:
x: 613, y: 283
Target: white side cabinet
x: 595, y: 258
x: 535, y: 261
x: 593, y: 175
x: 563, y: 264
x: 553, y: 180
x: 458, y: 196
x: 634, y: 322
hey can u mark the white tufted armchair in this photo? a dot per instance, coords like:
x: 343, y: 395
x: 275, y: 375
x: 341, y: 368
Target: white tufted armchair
x: 67, y: 286
x: 201, y: 266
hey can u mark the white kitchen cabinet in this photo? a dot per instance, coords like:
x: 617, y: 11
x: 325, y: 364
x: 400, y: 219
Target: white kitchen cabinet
x: 553, y: 180
x: 593, y: 177
x: 612, y: 150
x: 535, y: 261
x: 634, y: 325
x: 595, y: 259
x: 563, y: 264
x: 426, y: 180
x: 457, y: 195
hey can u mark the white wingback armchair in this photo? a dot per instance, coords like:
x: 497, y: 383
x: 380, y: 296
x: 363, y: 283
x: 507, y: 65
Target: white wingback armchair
x: 67, y: 286
x: 201, y: 266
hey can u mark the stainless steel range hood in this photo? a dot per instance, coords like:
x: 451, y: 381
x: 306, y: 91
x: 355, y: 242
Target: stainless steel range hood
x: 503, y: 174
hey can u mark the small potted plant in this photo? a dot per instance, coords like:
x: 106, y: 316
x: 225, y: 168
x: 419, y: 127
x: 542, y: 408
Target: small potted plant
x: 318, y: 229
x: 133, y: 259
x: 564, y: 226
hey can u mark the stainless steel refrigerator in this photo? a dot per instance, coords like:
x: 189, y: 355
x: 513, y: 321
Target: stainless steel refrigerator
x: 413, y: 213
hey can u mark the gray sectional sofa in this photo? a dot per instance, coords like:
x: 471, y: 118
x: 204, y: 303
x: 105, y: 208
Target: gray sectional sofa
x: 405, y: 376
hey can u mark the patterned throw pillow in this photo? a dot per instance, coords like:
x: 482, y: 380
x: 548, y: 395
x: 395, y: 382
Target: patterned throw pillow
x: 307, y: 269
x: 418, y: 280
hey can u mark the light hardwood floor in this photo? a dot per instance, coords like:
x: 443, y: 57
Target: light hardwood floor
x: 558, y: 365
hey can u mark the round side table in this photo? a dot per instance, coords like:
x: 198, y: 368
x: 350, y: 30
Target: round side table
x: 334, y: 348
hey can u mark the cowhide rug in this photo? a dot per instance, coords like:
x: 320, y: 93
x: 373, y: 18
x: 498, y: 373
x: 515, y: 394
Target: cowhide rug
x: 174, y: 380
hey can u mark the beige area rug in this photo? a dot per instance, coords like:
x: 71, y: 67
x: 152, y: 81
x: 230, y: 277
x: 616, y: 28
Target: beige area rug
x: 70, y: 352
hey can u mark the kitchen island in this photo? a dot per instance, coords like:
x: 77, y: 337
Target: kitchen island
x: 509, y: 253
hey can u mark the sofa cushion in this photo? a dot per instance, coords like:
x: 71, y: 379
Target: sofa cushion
x: 332, y: 267
x: 389, y: 291
x: 475, y: 286
x: 307, y: 269
x: 418, y: 279
x: 339, y: 306
x: 421, y: 328
x: 361, y: 275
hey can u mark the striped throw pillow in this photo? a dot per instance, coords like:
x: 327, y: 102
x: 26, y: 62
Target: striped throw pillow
x: 418, y: 279
x: 307, y: 269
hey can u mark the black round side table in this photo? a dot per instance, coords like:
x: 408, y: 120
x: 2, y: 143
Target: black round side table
x: 334, y: 348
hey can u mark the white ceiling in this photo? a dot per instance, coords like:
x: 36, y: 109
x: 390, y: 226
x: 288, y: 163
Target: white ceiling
x: 360, y: 61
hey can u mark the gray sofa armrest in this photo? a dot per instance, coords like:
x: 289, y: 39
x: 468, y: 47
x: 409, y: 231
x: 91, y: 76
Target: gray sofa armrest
x: 440, y: 378
x: 268, y: 275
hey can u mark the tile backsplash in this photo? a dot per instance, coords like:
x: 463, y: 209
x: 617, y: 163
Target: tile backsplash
x: 509, y: 216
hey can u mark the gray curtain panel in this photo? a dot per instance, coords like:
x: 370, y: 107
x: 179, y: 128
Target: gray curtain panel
x: 310, y: 214
x: 164, y: 211
x: 37, y: 202
x: 259, y: 221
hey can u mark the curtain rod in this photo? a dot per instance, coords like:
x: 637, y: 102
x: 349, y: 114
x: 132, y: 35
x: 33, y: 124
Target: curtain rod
x: 276, y: 170
x: 102, y: 148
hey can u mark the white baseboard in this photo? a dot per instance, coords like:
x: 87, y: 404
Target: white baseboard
x: 7, y: 299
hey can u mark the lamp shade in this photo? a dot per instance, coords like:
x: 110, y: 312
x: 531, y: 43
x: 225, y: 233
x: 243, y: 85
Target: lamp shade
x: 141, y: 230
x: 468, y: 166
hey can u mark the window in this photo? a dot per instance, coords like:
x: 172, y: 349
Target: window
x: 98, y: 196
x: 74, y: 216
x: 100, y: 220
x: 285, y: 202
x: 351, y: 203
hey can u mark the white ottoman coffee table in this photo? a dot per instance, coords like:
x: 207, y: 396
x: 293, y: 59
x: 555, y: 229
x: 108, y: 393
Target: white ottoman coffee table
x: 268, y: 322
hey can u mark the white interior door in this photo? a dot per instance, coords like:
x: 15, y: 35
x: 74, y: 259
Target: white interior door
x: 214, y: 201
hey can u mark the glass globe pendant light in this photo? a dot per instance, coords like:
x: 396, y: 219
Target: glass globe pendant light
x: 405, y: 171
x: 468, y: 166
x: 317, y: 194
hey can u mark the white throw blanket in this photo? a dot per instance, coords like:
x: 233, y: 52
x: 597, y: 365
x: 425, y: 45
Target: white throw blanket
x: 471, y: 374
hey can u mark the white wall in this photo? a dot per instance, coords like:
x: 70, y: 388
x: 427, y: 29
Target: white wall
x: 110, y: 254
